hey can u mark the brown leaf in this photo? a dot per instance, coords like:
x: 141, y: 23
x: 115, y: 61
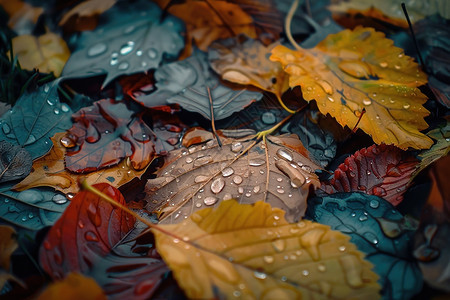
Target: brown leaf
x: 85, y: 13
x: 50, y: 171
x: 246, y: 169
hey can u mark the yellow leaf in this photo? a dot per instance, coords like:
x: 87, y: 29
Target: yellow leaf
x: 74, y: 287
x: 50, y: 171
x: 252, y: 252
x: 47, y: 53
x: 361, y: 69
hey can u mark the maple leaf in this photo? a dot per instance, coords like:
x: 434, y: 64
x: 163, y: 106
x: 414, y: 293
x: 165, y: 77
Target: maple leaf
x: 87, y: 236
x: 105, y: 133
x: 379, y: 170
x: 252, y: 251
x: 357, y: 69
x: 50, y: 171
x: 380, y: 231
x: 15, y: 162
x: 74, y: 286
x: 34, y: 119
x: 129, y: 40
x: 47, y: 53
x: 275, y: 170
x: 193, y: 85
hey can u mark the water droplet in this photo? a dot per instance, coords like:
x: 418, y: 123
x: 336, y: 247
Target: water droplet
x: 67, y: 142
x: 59, y: 199
x: 236, y: 293
x: 56, y: 111
x: 260, y: 275
x: 201, y: 178
x: 24, y: 218
x: 6, y: 129
x: 198, y: 205
x: 397, y: 67
x: 406, y: 105
x: 80, y: 224
x: 240, y: 190
x: 227, y: 172
x: 237, y: 179
x: 217, y: 185
x: 202, y: 160
x: 281, y: 191
x: 374, y: 204
x: 93, y: 215
x: 139, y: 53
x: 285, y: 154
x: 91, y: 237
x: 210, y: 200
x: 97, y: 49
x: 256, y: 189
x: 268, y: 118
x: 368, y: 172
x: 152, y: 53
x: 341, y: 248
x: 256, y: 162
x: 46, y: 88
x: 321, y: 267
x: 64, y: 107
x: 127, y: 48
x: 305, y: 272
x: 374, y: 94
x: 367, y: 101
x: 189, y: 160
x: 123, y: 65
x: 236, y: 147
x: 362, y: 218
x: 248, y: 195
x: 330, y: 98
x: 279, y: 179
x: 278, y: 245
x: 309, y: 88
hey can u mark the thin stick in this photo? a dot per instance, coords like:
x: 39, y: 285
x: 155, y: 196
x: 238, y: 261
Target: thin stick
x: 359, y: 120
x: 213, y: 125
x: 413, y: 36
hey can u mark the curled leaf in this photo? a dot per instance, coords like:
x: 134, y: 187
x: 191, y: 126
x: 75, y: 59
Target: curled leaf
x: 361, y: 69
x: 252, y: 251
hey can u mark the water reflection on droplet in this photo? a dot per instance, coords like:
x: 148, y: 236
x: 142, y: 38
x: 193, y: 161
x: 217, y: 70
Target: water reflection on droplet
x: 285, y: 154
x: 217, y: 185
x: 152, y: 53
x: 227, y: 172
x: 236, y: 147
x: 123, y: 65
x: 210, y: 200
x: 127, y: 48
x: 59, y: 199
x: 97, y: 49
x: 268, y: 118
x: 6, y: 129
x: 256, y: 162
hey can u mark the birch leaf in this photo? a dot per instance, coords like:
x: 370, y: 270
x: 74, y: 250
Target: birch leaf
x: 240, y: 251
x: 360, y: 68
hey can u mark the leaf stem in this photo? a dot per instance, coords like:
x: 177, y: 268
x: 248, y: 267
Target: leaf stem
x: 213, y: 123
x: 284, y: 106
x: 287, y: 24
x: 413, y: 36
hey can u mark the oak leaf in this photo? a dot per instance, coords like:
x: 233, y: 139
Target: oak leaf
x: 50, y: 171
x: 74, y: 286
x: 275, y: 170
x: 252, y: 251
x: 380, y: 170
x: 361, y: 69
x: 47, y: 53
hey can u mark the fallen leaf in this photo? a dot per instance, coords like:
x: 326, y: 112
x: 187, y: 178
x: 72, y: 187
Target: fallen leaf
x: 252, y: 251
x: 360, y: 69
x: 391, y: 10
x: 34, y: 119
x: 22, y: 16
x: 104, y: 134
x: 130, y: 39
x: 88, y: 236
x: 74, y: 286
x: 378, y: 230
x: 82, y: 11
x: 50, y: 171
x: 380, y: 170
x: 15, y: 162
x: 32, y: 209
x: 246, y: 61
x: 47, y: 53
x: 191, y: 82
x: 245, y: 169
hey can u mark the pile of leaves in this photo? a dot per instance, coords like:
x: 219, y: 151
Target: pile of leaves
x: 224, y: 149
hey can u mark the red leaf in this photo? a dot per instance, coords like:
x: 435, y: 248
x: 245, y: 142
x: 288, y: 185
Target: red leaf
x: 379, y: 170
x: 107, y: 132
x: 136, y: 85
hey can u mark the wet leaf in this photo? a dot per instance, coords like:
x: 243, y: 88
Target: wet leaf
x: 246, y: 61
x: 104, y: 134
x: 252, y: 251
x: 130, y: 39
x: 50, y: 171
x: 187, y: 82
x: 380, y: 170
x: 379, y: 231
x: 74, y: 286
x: 85, y: 239
x: 47, y: 53
x: 34, y: 119
x: 15, y: 162
x: 32, y: 209
x: 391, y: 11
x: 202, y: 175
x: 361, y: 69
x: 84, y: 10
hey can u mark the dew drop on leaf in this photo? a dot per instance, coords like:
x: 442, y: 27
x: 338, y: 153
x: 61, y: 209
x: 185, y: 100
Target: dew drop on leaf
x: 268, y: 118
x: 227, y: 172
x: 256, y: 162
x: 152, y: 53
x: 97, y: 49
x: 59, y: 199
x: 123, y: 66
x: 217, y: 185
x: 6, y: 129
x: 127, y: 48
x: 210, y: 200
x: 285, y: 154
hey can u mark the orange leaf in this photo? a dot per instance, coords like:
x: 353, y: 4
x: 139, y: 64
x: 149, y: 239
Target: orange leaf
x: 75, y: 286
x: 50, y: 171
x: 361, y: 69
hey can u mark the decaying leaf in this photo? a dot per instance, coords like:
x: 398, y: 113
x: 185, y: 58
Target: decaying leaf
x: 74, y: 286
x: 105, y: 133
x: 34, y: 119
x: 130, y: 39
x: 378, y: 230
x: 190, y: 83
x: 47, y: 53
x: 86, y: 9
x: 391, y: 10
x: 15, y: 162
x: 275, y: 170
x: 50, y: 171
x: 361, y: 69
x: 252, y: 251
x: 380, y: 170
x: 246, y: 61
